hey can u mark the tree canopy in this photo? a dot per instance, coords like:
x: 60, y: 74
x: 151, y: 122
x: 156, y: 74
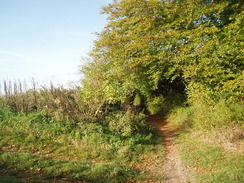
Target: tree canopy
x: 156, y: 47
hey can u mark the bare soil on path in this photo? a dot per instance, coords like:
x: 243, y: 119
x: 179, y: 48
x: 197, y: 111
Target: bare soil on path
x: 172, y: 168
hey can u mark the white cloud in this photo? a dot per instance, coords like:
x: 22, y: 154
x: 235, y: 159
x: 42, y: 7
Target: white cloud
x: 25, y: 57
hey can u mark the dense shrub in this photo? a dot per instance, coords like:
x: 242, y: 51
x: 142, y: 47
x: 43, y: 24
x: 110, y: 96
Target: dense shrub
x: 203, y: 115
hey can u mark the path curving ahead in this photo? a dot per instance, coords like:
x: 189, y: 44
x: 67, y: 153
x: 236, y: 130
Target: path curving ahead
x: 173, y: 170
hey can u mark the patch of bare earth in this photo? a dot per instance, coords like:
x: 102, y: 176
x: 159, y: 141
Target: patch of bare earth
x: 172, y: 168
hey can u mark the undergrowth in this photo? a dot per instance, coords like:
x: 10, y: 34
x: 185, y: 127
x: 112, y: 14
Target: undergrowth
x: 38, y: 147
x: 204, y: 116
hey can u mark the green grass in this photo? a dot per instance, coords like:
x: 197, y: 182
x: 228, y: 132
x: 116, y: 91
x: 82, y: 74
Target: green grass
x: 32, y: 167
x: 35, y: 148
x: 210, y: 163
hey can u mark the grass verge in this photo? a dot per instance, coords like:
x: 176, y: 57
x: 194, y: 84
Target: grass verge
x: 209, y: 162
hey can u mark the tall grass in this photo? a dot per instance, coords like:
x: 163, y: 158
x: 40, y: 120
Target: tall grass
x: 58, y: 102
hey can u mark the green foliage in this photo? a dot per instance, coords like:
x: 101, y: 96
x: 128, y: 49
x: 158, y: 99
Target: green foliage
x: 155, y: 106
x: 150, y: 57
x: 214, y: 69
x: 128, y: 123
x: 38, y: 147
x: 137, y: 100
x: 156, y: 48
x: 127, y: 57
x: 181, y: 117
x: 4, y: 114
x: 205, y: 116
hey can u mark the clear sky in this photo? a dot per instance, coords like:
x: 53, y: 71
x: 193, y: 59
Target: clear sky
x: 46, y: 39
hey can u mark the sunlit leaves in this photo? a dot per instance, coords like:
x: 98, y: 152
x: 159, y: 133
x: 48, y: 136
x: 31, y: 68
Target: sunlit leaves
x: 154, y: 46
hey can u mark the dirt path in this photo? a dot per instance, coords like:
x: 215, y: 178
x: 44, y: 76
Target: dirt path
x: 173, y: 170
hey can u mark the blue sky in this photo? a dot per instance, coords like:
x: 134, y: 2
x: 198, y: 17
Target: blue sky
x: 46, y: 39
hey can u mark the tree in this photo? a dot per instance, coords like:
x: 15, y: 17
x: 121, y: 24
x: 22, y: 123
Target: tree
x: 157, y: 47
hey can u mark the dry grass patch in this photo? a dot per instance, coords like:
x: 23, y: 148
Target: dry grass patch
x: 231, y: 138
